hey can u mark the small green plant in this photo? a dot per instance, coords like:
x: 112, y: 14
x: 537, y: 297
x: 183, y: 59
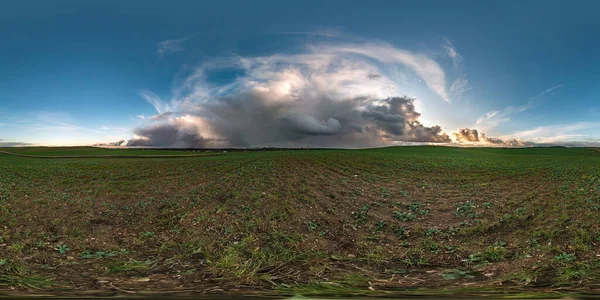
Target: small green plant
x: 432, y: 231
x: 17, y: 247
x: 62, y: 248
x: 421, y: 261
x: 360, y: 215
x: 534, y: 243
x: 88, y: 254
x: 495, y: 252
x: 417, y: 208
x: 312, y: 225
x: 565, y: 257
x: 465, y: 208
x: 401, y: 231
x: 450, y: 249
x: 404, y: 216
x: 432, y: 246
x: 472, y: 258
x: 148, y: 234
x: 385, y: 193
x: 380, y: 225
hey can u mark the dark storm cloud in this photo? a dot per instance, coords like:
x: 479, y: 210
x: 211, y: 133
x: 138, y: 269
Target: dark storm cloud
x: 251, y: 120
x: 168, y: 135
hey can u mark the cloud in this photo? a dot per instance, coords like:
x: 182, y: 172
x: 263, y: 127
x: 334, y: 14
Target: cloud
x: 326, y: 32
x: 472, y: 136
x: 172, y: 46
x: 154, y: 100
x: 112, y: 144
x: 180, y: 132
x: 374, y: 76
x: 542, y: 94
x: 254, y: 120
x: 113, y: 129
x: 163, y: 116
x: 458, y: 87
x: 338, y: 95
x: 557, y: 133
x: 574, y: 143
x: 61, y: 126
x: 426, y: 68
x: 466, y: 134
x: 494, y: 118
x: 451, y: 52
x: 7, y: 144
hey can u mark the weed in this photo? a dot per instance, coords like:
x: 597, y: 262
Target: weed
x: 417, y: 208
x: 465, y: 208
x: 401, y: 231
x: 88, y: 254
x: 361, y: 214
x: 472, y: 258
x: 404, y: 216
x: 432, y: 231
x: 62, y: 248
x: 17, y: 247
x: 380, y: 225
x: 565, y: 257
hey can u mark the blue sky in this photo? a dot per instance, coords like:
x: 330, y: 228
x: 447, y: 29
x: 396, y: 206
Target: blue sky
x: 291, y: 73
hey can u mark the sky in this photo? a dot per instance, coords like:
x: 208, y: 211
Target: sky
x: 299, y: 73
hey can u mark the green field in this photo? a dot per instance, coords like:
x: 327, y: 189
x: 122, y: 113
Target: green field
x: 89, y: 151
x: 301, y: 222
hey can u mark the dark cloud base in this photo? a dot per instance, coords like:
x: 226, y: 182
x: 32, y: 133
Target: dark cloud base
x: 4, y: 144
x: 251, y: 120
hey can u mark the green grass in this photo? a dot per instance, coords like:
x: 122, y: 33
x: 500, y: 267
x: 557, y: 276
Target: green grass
x: 90, y: 151
x: 331, y: 220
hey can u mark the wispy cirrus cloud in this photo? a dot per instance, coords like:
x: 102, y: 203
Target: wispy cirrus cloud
x: 494, y: 118
x: 326, y: 32
x: 458, y: 87
x: 155, y: 101
x: 426, y: 68
x: 556, y: 133
x: 173, y: 46
x: 451, y: 52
